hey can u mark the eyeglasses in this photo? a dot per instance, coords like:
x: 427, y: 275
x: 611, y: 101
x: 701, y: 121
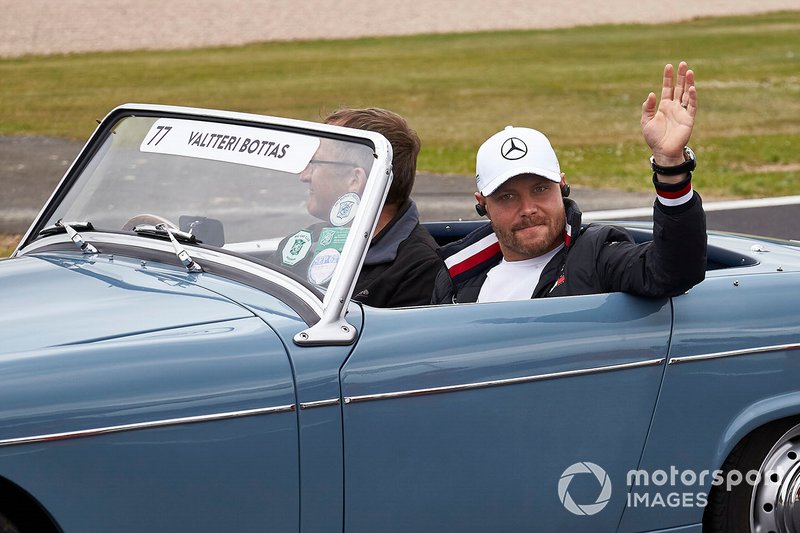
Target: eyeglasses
x: 329, y: 162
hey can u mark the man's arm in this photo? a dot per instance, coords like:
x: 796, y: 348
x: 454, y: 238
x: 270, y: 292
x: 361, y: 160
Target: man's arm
x: 676, y: 259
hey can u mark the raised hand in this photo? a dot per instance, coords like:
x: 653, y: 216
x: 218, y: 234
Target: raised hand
x: 667, y: 128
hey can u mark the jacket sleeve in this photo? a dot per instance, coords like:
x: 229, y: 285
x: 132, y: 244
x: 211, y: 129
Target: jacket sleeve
x: 670, y: 265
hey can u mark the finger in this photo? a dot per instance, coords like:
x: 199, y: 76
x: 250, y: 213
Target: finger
x: 649, y: 108
x: 666, y: 87
x: 686, y: 96
x: 680, y: 86
x: 691, y: 106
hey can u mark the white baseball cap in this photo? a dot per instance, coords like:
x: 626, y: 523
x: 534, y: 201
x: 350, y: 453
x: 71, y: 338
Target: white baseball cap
x: 512, y: 152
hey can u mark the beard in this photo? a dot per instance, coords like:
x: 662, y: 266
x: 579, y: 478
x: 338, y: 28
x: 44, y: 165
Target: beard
x: 550, y: 235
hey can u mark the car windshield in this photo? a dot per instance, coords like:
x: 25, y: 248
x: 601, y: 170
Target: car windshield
x: 285, y: 196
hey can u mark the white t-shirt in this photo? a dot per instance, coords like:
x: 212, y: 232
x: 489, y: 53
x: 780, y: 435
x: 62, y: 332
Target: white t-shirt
x: 514, y: 280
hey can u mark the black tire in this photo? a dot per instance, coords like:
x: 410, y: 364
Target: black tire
x: 765, y: 450
x: 6, y: 526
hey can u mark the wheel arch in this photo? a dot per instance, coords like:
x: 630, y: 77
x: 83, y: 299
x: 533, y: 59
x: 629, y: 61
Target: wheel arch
x: 730, y: 509
x: 23, y: 510
x: 756, y: 417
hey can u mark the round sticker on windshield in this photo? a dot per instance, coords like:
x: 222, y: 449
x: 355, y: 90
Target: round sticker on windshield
x: 344, y: 209
x: 321, y: 269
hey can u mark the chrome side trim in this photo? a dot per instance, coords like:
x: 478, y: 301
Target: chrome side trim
x: 147, y: 425
x: 320, y: 403
x: 502, y: 382
x: 734, y: 353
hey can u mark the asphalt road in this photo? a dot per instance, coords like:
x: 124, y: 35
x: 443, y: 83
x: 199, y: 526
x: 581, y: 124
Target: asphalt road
x: 30, y: 168
x: 782, y: 221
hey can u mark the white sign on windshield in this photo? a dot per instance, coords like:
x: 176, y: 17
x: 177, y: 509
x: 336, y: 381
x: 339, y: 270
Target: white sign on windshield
x: 277, y: 150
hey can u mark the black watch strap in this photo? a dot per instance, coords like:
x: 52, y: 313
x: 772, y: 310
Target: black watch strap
x: 687, y: 166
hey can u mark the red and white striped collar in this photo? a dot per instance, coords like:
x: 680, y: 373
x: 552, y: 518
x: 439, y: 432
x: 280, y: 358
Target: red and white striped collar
x: 473, y: 255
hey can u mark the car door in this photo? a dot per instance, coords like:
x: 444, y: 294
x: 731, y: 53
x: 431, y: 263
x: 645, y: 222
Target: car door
x: 498, y: 417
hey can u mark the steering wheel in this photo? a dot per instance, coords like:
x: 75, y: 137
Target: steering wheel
x: 147, y: 218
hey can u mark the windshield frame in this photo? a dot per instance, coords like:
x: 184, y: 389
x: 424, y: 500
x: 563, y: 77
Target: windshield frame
x: 331, y: 328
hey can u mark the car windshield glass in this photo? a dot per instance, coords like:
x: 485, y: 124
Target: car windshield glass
x: 283, y: 196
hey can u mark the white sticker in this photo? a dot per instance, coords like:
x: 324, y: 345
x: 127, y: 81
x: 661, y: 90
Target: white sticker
x: 321, y: 269
x: 344, y: 209
x: 296, y: 248
x: 244, y: 145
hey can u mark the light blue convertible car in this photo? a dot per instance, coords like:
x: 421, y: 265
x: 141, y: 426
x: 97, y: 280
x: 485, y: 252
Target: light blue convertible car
x: 160, y: 371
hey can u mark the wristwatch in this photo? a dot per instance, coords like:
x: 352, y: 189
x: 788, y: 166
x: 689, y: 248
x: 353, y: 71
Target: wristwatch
x: 687, y: 166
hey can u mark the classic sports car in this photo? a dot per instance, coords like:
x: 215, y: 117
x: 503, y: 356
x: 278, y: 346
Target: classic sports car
x: 163, y: 369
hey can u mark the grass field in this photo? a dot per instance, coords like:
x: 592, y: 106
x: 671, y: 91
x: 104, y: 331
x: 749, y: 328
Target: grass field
x: 7, y: 244
x: 582, y: 86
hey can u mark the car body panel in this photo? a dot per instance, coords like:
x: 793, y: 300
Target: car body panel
x: 225, y: 387
x: 115, y: 366
x: 316, y: 371
x: 707, y: 405
x: 319, y: 412
x: 84, y: 299
x: 231, y: 475
x: 493, y: 455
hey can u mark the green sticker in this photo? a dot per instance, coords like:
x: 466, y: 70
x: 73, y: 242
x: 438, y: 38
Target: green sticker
x: 333, y: 238
x: 296, y: 248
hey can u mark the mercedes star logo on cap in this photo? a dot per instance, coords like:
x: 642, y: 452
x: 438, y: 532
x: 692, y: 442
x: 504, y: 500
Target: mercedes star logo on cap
x: 514, y: 148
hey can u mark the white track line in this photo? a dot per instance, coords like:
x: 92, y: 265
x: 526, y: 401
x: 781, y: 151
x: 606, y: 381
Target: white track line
x: 636, y: 212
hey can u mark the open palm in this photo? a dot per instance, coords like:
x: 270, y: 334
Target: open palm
x: 667, y: 128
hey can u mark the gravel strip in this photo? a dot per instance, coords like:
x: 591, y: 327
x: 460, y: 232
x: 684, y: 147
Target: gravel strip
x: 59, y: 26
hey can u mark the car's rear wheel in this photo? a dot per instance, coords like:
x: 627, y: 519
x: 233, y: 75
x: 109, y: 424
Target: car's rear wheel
x: 773, y: 504
x: 6, y: 526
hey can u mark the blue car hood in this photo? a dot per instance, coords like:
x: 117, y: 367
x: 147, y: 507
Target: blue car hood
x: 59, y: 299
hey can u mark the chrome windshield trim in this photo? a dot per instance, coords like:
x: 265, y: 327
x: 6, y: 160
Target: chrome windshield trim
x: 221, y: 258
x: 734, y: 353
x: 147, y: 425
x: 320, y: 403
x: 502, y: 382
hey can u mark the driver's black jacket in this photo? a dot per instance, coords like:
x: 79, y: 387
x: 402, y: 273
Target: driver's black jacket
x: 595, y: 259
x: 401, y: 263
x: 400, y: 266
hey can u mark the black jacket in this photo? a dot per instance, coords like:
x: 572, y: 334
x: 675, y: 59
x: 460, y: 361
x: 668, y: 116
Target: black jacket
x: 401, y: 263
x: 596, y: 259
x: 399, y: 269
